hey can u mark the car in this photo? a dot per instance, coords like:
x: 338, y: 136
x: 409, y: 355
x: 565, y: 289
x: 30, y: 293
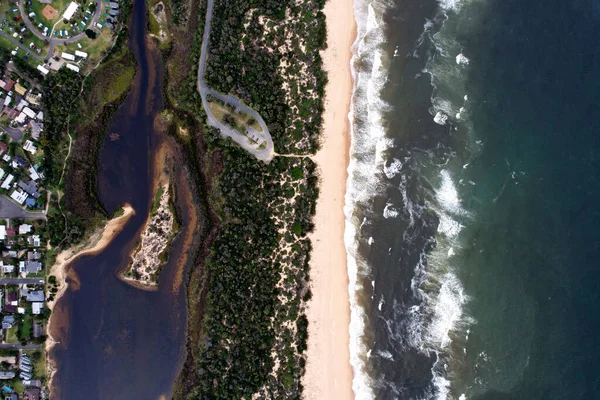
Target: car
x: 40, y: 25
x: 23, y: 30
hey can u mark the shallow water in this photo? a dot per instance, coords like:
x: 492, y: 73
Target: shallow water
x: 117, y: 341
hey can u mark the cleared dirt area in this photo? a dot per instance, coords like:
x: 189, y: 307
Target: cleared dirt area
x: 49, y: 12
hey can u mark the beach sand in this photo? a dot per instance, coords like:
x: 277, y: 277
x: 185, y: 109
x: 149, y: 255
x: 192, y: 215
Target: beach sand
x: 328, y: 371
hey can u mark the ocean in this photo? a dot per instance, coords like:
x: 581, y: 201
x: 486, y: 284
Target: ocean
x: 473, y: 197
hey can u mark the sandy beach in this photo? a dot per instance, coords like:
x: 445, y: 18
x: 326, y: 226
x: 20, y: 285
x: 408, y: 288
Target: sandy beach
x: 328, y: 371
x: 96, y: 243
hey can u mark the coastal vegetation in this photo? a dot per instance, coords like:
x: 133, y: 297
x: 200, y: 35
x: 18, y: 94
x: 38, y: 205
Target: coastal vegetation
x: 247, y: 330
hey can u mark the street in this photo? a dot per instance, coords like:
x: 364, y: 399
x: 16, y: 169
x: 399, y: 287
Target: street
x: 18, y: 281
x: 8, y: 209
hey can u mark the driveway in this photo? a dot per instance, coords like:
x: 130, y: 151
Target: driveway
x: 265, y: 155
x: 18, y: 281
x: 8, y: 209
x: 14, y: 133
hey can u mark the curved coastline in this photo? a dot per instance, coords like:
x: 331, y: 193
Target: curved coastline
x: 328, y: 371
x: 97, y: 242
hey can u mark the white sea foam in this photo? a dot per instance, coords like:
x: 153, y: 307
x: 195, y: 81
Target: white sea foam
x: 367, y: 167
x: 447, y: 311
x: 390, y: 212
x: 461, y: 59
x: 393, y: 168
x: 447, y: 195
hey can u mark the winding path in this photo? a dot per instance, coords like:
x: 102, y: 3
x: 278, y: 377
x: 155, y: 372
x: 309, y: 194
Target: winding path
x: 266, y: 154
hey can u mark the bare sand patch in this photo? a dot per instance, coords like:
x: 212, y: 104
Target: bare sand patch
x: 49, y: 12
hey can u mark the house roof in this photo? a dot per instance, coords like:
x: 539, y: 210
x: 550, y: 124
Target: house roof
x: 35, y: 295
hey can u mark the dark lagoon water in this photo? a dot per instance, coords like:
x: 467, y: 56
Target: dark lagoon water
x: 474, y: 200
x: 117, y: 341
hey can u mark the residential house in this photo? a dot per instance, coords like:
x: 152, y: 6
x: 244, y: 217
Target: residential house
x: 6, y: 184
x: 34, y: 240
x: 38, y: 331
x: 37, y: 307
x: 19, y: 196
x: 3, y: 147
x: 34, y: 256
x: 7, y: 269
x: 30, y: 267
x: 2, y: 232
x: 10, y: 233
x: 29, y: 146
x: 7, y: 375
x: 8, y: 321
x: 35, y: 295
x: 19, y: 161
x: 36, y: 128
x: 9, y: 253
x: 31, y: 188
x: 24, y: 229
x: 32, y: 394
x: 20, y: 89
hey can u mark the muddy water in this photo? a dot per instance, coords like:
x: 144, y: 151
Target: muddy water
x: 116, y: 341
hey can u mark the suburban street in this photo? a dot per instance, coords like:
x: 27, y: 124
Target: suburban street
x: 18, y: 281
x: 17, y: 346
x: 8, y: 209
x: 53, y: 40
x: 265, y: 155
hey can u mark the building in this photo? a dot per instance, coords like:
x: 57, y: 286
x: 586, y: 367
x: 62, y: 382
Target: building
x: 34, y: 255
x: 6, y: 184
x: 20, y: 162
x: 114, y: 5
x: 20, y: 89
x: 30, y: 188
x: 7, y: 375
x: 37, y: 307
x: 29, y: 146
x: 81, y: 54
x: 36, y: 127
x: 3, y: 147
x: 43, y: 70
x: 72, y: 67
x: 68, y: 56
x: 2, y: 232
x: 7, y: 269
x: 24, y: 229
x: 38, y: 331
x: 8, y: 321
x: 35, y: 295
x: 33, y: 174
x: 19, y: 196
x: 70, y: 11
x: 34, y: 240
x: 29, y: 112
x: 31, y: 267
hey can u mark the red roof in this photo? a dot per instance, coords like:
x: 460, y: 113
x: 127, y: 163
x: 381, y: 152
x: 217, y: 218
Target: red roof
x: 9, y: 85
x: 10, y: 232
x: 3, y: 147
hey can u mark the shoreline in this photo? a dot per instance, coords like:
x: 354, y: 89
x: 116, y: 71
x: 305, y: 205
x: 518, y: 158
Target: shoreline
x: 328, y: 370
x: 97, y: 242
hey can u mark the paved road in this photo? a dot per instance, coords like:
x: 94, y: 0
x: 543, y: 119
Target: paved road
x: 53, y: 40
x: 22, y: 46
x: 20, y: 346
x: 265, y: 155
x: 8, y: 209
x: 18, y: 281
x: 14, y: 133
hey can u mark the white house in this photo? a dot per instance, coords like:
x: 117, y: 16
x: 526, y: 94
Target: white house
x: 19, y: 197
x: 70, y: 11
x: 73, y: 67
x: 68, y: 56
x: 7, y: 181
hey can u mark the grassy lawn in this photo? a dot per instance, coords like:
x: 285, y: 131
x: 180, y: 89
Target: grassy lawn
x: 241, y: 119
x: 11, y: 335
x: 96, y: 48
x: 38, y: 362
x: 26, y: 326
